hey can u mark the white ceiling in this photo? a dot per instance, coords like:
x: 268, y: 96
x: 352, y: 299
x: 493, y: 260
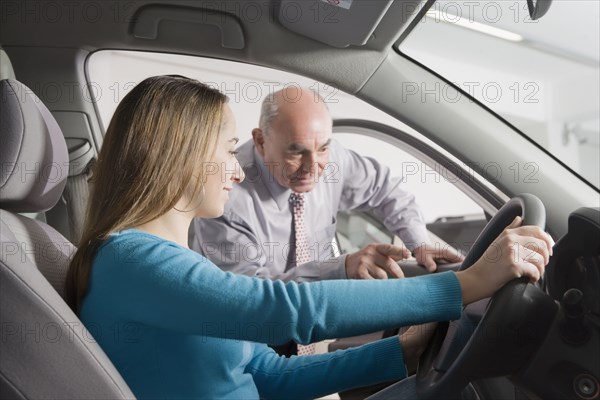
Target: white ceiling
x: 570, y: 27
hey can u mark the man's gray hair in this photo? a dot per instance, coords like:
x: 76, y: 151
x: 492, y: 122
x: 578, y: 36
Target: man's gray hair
x: 270, y: 109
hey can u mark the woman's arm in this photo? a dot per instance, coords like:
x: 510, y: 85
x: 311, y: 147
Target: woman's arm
x: 308, y: 377
x: 151, y: 281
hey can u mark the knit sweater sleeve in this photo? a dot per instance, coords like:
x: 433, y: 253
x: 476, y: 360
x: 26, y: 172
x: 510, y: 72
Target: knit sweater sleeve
x: 308, y: 377
x: 159, y: 283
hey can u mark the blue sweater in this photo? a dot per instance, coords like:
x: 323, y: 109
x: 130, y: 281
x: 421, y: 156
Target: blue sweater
x: 176, y: 326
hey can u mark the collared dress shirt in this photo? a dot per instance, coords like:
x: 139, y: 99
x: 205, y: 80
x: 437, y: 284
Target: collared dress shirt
x: 254, y: 236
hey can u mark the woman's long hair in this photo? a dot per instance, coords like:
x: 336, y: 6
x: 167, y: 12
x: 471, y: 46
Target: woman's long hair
x: 157, y: 138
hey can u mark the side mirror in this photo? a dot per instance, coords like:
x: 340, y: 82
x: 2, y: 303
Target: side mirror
x: 538, y: 8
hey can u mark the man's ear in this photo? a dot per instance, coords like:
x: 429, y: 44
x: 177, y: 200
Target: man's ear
x: 259, y: 140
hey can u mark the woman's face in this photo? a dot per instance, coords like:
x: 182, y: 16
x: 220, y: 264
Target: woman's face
x: 222, y: 171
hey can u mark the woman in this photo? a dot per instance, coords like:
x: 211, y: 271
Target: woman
x: 176, y: 326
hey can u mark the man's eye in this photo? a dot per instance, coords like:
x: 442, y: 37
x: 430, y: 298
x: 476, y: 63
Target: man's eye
x: 234, y: 152
x: 324, y: 149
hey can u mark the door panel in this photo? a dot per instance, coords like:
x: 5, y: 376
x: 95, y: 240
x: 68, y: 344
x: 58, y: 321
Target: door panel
x: 460, y: 231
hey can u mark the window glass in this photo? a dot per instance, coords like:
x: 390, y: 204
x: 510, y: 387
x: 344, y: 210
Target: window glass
x: 542, y: 76
x: 113, y: 73
x: 435, y: 194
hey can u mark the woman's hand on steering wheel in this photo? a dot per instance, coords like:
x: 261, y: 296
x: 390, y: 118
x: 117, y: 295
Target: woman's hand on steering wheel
x: 415, y: 339
x: 518, y: 251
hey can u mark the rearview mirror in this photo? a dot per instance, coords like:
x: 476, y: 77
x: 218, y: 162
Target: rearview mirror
x: 538, y: 8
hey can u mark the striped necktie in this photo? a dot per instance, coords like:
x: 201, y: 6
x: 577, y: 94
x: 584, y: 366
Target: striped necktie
x: 301, y: 246
x: 300, y: 240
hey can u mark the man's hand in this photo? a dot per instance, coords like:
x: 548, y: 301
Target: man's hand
x: 376, y: 261
x: 427, y: 255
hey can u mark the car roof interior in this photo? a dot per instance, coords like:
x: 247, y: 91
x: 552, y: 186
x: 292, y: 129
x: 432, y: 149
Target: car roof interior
x: 216, y: 31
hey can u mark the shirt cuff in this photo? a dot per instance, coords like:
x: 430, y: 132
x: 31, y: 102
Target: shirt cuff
x: 334, y: 268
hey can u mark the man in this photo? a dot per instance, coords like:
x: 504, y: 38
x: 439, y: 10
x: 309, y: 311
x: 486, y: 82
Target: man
x: 291, y: 160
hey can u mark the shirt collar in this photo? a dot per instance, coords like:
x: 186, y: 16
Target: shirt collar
x: 280, y: 194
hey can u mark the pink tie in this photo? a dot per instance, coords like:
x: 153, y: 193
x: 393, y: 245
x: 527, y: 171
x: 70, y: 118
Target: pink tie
x: 302, y: 253
x: 301, y: 243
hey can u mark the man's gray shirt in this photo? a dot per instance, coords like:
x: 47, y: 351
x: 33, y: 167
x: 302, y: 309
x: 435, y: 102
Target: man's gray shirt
x: 255, y: 234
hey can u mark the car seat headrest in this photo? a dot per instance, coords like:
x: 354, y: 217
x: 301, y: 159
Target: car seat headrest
x: 35, y: 160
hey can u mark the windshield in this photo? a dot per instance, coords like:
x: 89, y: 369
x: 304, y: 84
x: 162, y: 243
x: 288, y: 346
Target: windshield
x: 541, y: 76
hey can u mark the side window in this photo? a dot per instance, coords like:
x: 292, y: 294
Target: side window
x: 355, y: 230
x: 450, y: 214
x: 446, y: 209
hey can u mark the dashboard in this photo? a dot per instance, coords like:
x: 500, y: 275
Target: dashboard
x: 576, y: 261
x: 544, y: 338
x: 567, y: 364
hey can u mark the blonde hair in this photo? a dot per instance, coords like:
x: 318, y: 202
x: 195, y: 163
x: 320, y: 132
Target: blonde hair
x: 158, y: 136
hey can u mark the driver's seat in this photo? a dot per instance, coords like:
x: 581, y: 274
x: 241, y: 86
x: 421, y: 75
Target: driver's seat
x: 45, y: 351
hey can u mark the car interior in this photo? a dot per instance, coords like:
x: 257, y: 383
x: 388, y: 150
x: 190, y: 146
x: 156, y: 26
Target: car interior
x: 528, y: 341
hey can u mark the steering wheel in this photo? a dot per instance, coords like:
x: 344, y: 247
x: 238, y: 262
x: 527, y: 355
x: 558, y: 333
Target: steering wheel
x: 493, y: 337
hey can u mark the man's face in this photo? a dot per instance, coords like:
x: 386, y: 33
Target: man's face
x: 296, y: 146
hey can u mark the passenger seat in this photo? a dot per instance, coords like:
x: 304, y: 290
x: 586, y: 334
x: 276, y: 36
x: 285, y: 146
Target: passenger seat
x: 45, y: 351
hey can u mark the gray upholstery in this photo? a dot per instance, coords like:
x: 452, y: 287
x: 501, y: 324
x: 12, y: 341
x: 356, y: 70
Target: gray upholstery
x: 35, y: 161
x: 6, y: 68
x: 45, y: 352
x: 43, y: 246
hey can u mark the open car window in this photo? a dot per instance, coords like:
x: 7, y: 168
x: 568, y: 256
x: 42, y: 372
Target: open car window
x: 113, y: 73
